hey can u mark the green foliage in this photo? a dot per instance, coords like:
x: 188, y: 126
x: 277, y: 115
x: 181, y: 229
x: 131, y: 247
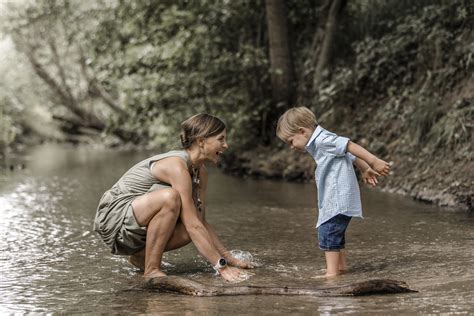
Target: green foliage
x: 424, y: 112
x: 376, y: 18
x: 402, y: 82
x: 163, y: 61
x: 426, y: 49
x: 8, y: 126
x: 169, y: 60
x: 454, y: 128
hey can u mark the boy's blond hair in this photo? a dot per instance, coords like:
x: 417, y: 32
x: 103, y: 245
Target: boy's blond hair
x: 293, y: 119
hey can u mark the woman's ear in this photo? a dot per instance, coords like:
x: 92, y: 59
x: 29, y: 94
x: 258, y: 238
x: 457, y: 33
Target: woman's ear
x: 200, y: 141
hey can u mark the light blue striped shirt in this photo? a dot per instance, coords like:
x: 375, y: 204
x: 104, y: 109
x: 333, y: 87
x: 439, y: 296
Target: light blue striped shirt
x: 338, y: 189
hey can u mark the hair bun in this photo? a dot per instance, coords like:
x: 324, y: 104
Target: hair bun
x: 184, y: 140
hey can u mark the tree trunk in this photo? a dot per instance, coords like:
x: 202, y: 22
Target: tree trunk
x: 67, y: 99
x: 189, y: 287
x: 330, y: 31
x: 282, y: 74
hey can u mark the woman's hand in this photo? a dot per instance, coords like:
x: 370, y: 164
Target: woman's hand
x: 241, y: 263
x: 232, y: 274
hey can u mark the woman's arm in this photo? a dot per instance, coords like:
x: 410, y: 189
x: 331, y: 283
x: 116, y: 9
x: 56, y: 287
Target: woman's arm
x: 224, y: 252
x: 174, y: 171
x: 215, y: 239
x: 180, y: 179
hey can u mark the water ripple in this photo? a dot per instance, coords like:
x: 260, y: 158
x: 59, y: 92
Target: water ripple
x: 52, y: 262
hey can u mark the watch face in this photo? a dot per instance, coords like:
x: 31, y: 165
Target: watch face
x: 222, y: 262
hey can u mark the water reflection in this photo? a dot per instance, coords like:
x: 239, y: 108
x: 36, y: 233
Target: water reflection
x: 51, y: 261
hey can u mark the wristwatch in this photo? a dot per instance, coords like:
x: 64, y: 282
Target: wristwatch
x: 221, y: 263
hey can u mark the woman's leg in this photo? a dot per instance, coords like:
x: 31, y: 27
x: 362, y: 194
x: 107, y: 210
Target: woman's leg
x: 159, y: 211
x: 180, y: 238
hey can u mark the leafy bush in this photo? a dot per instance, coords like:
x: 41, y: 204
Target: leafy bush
x: 8, y: 127
x: 424, y: 46
x: 170, y: 60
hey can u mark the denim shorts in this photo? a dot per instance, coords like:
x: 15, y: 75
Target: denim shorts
x: 331, y: 233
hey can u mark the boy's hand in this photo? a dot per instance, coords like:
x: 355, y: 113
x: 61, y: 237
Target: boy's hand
x: 369, y: 176
x: 380, y: 166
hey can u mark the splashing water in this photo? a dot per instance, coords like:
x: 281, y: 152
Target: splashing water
x: 245, y: 256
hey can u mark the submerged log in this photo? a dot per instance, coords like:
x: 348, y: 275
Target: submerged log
x: 190, y: 287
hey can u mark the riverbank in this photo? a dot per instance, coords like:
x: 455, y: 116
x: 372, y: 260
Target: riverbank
x: 433, y: 168
x: 438, y: 181
x: 430, y: 145
x: 444, y: 180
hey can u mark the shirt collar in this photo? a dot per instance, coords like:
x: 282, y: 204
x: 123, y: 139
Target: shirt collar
x: 316, y: 133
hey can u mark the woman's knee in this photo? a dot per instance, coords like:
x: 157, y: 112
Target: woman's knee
x: 172, y: 199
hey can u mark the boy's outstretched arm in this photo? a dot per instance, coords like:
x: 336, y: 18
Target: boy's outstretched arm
x: 369, y: 175
x: 379, y: 165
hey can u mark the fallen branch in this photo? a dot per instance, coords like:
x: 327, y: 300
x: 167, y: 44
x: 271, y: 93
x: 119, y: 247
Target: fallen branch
x: 189, y: 287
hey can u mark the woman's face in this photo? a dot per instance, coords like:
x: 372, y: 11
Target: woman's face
x: 215, y: 145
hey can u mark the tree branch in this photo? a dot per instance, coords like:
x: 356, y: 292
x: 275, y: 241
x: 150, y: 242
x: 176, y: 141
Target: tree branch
x: 97, y: 89
x: 189, y: 287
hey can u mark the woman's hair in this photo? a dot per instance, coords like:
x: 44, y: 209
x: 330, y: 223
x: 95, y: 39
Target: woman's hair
x: 293, y: 119
x: 200, y: 125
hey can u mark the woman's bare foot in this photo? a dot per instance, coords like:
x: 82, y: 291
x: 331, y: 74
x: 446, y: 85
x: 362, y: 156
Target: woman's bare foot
x: 137, y: 261
x: 155, y: 274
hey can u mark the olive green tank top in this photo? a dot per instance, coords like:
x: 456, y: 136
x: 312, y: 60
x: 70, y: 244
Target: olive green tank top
x: 137, y: 181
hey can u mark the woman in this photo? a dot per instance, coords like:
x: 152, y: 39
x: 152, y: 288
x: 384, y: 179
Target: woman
x: 159, y: 204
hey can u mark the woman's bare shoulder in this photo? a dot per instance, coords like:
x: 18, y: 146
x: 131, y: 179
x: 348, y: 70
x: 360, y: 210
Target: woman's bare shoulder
x: 170, y: 166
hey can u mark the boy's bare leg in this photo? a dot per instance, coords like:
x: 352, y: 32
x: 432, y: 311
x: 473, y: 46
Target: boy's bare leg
x: 342, y: 261
x: 159, y: 211
x: 332, y: 263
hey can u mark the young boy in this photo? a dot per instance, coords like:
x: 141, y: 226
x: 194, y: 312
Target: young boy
x: 338, y: 190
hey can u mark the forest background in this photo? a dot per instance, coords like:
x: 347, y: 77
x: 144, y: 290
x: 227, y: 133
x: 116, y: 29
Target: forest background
x: 395, y: 76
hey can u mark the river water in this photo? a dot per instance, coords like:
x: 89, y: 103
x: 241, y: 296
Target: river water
x: 52, y: 262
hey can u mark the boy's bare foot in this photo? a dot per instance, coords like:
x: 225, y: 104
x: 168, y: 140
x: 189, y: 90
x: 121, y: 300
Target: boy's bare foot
x: 331, y: 275
x: 137, y: 261
x: 326, y: 276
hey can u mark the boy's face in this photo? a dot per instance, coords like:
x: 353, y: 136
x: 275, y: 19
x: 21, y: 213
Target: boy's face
x: 299, y: 140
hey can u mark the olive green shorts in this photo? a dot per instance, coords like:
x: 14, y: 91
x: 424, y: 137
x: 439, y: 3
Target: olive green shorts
x: 131, y: 237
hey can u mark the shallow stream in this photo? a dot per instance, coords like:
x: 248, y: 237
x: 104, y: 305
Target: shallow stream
x: 52, y: 261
